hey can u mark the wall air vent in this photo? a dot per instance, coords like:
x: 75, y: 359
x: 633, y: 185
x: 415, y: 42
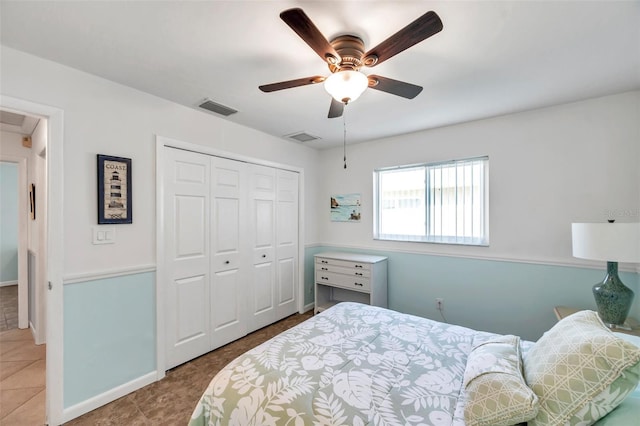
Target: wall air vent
x: 209, y: 105
x: 302, y: 137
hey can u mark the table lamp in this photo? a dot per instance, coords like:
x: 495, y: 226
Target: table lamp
x: 613, y: 243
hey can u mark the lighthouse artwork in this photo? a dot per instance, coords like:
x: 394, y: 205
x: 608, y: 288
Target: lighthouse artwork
x: 114, y: 189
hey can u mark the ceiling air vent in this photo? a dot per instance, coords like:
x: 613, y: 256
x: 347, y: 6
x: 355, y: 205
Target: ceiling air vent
x: 209, y: 105
x: 302, y: 137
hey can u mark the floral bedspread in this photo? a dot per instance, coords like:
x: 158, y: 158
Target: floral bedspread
x: 353, y: 364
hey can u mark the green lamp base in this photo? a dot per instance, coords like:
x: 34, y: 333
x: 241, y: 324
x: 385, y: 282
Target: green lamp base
x: 613, y: 298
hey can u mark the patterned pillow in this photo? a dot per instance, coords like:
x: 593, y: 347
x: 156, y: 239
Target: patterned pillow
x: 496, y: 393
x: 580, y: 371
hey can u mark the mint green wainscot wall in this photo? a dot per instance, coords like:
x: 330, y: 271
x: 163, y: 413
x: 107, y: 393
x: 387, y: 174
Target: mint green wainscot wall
x: 497, y: 296
x: 8, y: 222
x: 109, y: 334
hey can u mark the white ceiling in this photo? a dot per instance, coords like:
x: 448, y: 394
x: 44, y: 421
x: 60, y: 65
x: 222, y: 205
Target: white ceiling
x: 492, y: 57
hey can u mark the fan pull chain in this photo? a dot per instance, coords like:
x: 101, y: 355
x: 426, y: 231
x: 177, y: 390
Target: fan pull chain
x: 344, y: 136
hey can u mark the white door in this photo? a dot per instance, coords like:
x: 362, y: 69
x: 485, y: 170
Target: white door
x: 229, y: 257
x: 286, y: 243
x: 186, y: 209
x: 231, y: 232
x: 261, y: 295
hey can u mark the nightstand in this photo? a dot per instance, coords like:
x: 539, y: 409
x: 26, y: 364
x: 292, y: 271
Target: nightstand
x: 565, y: 311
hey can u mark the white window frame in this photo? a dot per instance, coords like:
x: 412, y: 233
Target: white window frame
x: 429, y: 235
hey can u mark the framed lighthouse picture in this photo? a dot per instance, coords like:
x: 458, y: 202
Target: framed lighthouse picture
x: 114, y: 190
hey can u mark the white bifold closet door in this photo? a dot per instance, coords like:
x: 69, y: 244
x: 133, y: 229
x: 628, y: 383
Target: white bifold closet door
x: 287, y: 222
x: 229, y: 256
x: 273, y: 235
x: 187, y: 186
x: 231, y: 250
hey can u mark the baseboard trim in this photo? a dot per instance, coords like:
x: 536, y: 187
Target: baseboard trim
x: 108, y: 396
x: 8, y: 283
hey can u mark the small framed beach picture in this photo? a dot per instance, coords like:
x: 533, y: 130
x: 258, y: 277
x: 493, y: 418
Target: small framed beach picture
x: 345, y: 208
x: 114, y: 190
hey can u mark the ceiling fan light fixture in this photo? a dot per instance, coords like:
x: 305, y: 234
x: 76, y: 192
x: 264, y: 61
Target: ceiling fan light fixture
x: 346, y: 86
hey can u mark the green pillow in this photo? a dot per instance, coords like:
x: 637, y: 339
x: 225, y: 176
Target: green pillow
x: 580, y: 371
x: 495, y: 391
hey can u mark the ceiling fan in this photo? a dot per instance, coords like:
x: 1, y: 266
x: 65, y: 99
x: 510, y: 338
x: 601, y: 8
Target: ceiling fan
x: 345, y: 55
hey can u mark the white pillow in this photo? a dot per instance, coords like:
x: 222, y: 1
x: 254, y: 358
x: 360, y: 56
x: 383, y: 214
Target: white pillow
x: 580, y: 371
x: 495, y: 390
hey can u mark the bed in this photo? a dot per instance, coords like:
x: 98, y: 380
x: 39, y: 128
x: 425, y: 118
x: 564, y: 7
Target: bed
x: 356, y: 364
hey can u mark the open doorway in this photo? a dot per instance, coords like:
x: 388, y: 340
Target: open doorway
x: 41, y: 191
x: 23, y: 181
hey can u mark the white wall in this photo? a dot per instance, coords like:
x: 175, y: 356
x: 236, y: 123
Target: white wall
x: 548, y: 168
x: 102, y: 117
x: 38, y: 227
x: 11, y: 145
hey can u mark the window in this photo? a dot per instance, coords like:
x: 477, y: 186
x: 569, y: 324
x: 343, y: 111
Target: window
x: 437, y: 203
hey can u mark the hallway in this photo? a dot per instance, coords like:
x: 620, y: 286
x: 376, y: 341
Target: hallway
x: 22, y: 379
x: 8, y: 307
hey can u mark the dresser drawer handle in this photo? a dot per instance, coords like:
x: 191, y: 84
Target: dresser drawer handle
x: 359, y: 274
x: 359, y: 284
x: 324, y: 278
x: 358, y: 266
x: 323, y: 261
x: 264, y: 255
x: 226, y: 262
x: 324, y: 269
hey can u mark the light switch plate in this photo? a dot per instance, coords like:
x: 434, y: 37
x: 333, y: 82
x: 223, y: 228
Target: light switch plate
x: 104, y: 234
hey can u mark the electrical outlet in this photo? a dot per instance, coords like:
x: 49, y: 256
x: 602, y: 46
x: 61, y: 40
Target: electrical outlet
x: 439, y: 303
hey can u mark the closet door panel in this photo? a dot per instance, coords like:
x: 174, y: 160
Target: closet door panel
x: 286, y: 242
x: 261, y: 196
x: 228, y: 252
x: 262, y: 297
x: 225, y: 304
x: 186, y: 210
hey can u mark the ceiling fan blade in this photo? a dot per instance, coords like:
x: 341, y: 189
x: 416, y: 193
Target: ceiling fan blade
x: 420, y: 29
x: 395, y: 87
x: 302, y: 25
x: 336, y: 109
x: 291, y: 83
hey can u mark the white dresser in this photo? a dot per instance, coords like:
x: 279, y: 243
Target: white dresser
x: 349, y: 277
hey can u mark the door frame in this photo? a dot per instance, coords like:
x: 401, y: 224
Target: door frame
x: 23, y: 238
x: 161, y: 144
x: 55, y: 248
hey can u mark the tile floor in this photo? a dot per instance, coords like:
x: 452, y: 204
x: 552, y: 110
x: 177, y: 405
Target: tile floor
x: 8, y: 307
x: 22, y: 379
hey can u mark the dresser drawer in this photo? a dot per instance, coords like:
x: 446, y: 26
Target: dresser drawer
x: 364, y: 273
x: 325, y: 261
x: 345, y: 281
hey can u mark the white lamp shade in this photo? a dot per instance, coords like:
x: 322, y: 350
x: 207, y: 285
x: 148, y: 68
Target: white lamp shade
x: 611, y: 242
x: 346, y: 86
